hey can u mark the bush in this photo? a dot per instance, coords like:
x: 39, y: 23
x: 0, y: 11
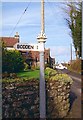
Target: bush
x: 62, y: 77
x: 54, y: 75
x: 37, y: 67
x: 13, y: 75
x: 12, y: 61
x: 47, y: 65
x: 75, y: 66
x: 33, y: 67
x: 5, y: 75
x: 26, y: 66
x: 50, y: 72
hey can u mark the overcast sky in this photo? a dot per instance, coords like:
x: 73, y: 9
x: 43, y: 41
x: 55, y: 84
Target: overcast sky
x: 56, y: 29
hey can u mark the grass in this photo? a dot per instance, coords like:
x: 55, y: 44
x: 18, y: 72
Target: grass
x: 24, y: 76
x: 29, y: 74
x: 34, y: 75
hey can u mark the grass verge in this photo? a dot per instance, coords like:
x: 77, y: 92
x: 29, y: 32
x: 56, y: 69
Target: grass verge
x: 29, y: 74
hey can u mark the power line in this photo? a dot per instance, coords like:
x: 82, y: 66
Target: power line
x: 20, y: 18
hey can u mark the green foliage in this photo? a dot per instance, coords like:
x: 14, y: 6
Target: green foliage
x: 75, y: 66
x: 37, y: 68
x: 12, y: 61
x: 49, y: 72
x: 47, y: 65
x: 29, y: 74
x: 75, y: 23
x: 26, y: 66
x: 17, y: 80
x: 62, y: 77
x: 54, y: 75
x: 33, y: 67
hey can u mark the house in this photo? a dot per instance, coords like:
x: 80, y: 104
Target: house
x: 9, y: 42
x: 31, y: 57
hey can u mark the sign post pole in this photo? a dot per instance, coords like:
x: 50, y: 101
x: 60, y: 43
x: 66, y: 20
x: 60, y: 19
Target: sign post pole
x: 41, y: 41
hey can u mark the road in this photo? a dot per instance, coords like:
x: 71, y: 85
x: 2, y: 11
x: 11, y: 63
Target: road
x: 75, y: 95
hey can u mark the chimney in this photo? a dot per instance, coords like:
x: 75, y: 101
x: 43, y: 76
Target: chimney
x: 17, y: 36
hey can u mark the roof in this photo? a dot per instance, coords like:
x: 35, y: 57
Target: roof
x: 9, y: 41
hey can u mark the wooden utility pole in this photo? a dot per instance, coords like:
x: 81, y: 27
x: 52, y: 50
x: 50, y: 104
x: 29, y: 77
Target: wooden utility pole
x: 71, y: 51
x: 41, y: 41
x: 42, y: 16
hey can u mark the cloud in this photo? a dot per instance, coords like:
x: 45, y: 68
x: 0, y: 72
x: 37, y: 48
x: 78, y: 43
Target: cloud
x: 32, y: 16
x: 62, y: 53
x: 59, y: 50
x: 13, y: 18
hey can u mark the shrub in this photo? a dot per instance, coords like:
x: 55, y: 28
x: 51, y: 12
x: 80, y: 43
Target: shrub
x: 12, y: 61
x: 13, y: 75
x: 47, y: 65
x: 26, y: 66
x: 62, y: 77
x: 33, y: 67
x: 5, y: 75
x: 75, y: 66
x: 37, y: 68
x: 50, y: 72
x: 54, y: 75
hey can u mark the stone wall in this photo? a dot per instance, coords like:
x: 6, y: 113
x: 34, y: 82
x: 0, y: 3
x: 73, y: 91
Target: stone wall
x: 57, y: 99
x: 21, y: 100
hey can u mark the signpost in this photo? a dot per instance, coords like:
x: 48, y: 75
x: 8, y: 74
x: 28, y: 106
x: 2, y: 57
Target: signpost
x: 38, y: 47
x: 41, y: 42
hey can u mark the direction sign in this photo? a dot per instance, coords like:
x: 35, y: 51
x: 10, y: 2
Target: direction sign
x: 29, y: 47
x: 25, y: 46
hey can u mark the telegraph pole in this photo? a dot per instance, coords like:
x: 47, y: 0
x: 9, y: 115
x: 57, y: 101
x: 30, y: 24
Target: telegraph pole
x: 41, y: 41
x: 71, y: 51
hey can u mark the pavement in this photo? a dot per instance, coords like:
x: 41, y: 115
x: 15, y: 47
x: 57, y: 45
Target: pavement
x: 75, y: 95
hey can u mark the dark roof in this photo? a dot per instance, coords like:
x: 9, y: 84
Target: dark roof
x: 9, y: 41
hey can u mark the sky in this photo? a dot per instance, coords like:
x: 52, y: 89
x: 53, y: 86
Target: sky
x: 29, y: 26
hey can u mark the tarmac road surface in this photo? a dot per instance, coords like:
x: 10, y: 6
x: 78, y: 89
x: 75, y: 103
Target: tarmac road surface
x: 75, y: 95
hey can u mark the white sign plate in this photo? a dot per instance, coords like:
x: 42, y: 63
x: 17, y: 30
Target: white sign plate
x: 25, y: 46
x: 29, y: 47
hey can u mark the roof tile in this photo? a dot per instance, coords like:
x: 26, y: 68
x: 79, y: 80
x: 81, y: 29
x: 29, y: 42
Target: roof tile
x: 9, y: 41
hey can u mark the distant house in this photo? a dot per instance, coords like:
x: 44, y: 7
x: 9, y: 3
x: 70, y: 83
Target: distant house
x: 10, y: 41
x: 31, y: 57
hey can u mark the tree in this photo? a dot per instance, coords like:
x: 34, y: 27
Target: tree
x: 12, y: 61
x: 74, y: 21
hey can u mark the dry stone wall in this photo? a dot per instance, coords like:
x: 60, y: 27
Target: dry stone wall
x: 21, y: 100
x: 57, y: 99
